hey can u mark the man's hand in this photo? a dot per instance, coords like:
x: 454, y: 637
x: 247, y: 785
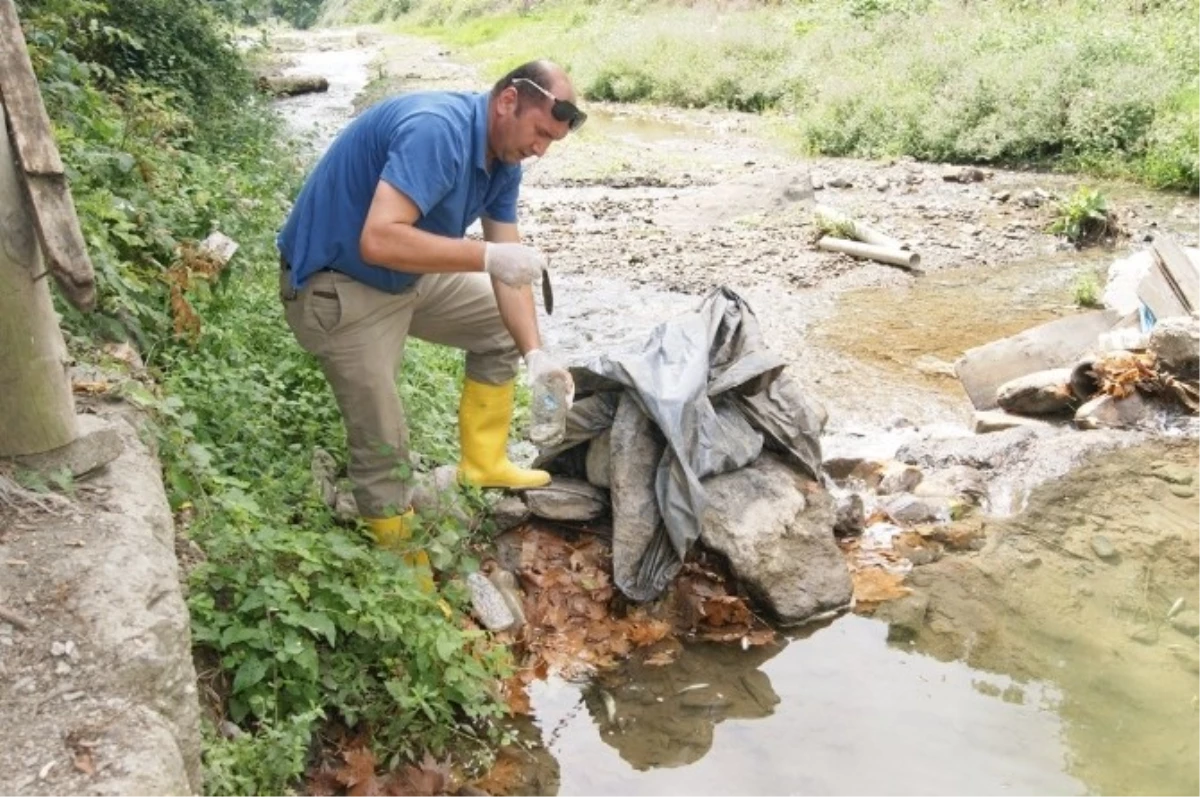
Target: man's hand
x: 542, y: 367
x: 513, y: 264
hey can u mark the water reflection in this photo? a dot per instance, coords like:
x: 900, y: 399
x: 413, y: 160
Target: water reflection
x: 841, y: 712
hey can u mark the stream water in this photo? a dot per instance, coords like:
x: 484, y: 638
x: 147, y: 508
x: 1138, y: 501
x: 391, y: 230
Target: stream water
x: 1003, y: 690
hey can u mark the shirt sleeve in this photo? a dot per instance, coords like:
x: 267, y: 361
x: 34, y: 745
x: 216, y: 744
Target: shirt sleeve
x: 503, y: 208
x: 422, y: 160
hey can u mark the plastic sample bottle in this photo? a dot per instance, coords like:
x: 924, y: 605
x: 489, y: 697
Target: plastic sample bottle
x: 548, y: 408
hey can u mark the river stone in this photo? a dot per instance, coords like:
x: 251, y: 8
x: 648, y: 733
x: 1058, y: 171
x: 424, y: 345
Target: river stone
x: 1040, y: 393
x: 598, y: 455
x: 851, y: 515
x: 1176, y: 343
x: 567, y: 499
x: 636, y: 451
x: 508, y: 512
x: 1186, y: 622
x: 908, y: 509
x: 954, y: 482
x: 1173, y: 474
x: 1106, y: 411
x: 986, y: 452
x: 1103, y: 547
x: 999, y: 420
x: 488, y: 604
x: 898, y: 477
x: 776, y: 530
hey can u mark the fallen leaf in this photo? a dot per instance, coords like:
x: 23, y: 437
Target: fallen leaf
x: 84, y: 762
x: 875, y: 585
x: 503, y: 778
x: 358, y: 774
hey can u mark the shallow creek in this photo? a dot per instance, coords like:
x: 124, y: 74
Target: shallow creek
x: 1020, y: 676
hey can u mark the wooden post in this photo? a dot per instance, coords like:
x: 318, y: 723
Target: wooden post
x: 37, y: 410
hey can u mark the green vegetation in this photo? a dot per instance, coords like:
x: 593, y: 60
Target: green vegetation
x: 1083, y: 218
x: 1087, y: 290
x: 1109, y: 88
x: 297, y: 621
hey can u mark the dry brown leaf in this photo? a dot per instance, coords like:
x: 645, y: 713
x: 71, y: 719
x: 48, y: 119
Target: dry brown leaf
x: 358, y: 774
x: 324, y: 782
x: 876, y: 585
x: 84, y: 762
x: 91, y: 388
x: 503, y: 778
x: 431, y: 778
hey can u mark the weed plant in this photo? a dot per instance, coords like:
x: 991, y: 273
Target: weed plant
x: 297, y: 621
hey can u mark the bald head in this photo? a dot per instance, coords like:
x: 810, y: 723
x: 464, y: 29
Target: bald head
x: 547, y: 74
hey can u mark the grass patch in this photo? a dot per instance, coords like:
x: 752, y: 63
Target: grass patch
x: 1106, y: 88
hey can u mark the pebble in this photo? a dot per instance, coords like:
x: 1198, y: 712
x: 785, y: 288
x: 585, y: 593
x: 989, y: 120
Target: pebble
x: 1182, y: 491
x: 62, y: 669
x: 489, y: 605
x: 1186, y: 622
x: 1173, y: 474
x: 1103, y: 548
x: 1146, y: 635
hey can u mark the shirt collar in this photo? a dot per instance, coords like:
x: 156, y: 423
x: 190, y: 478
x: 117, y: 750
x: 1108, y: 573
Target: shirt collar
x: 480, y: 141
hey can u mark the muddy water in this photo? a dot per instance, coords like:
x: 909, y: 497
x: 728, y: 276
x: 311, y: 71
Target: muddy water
x: 837, y: 711
x: 1015, y: 670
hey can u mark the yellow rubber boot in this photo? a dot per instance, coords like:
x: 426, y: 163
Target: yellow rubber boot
x: 484, y: 414
x: 395, y: 534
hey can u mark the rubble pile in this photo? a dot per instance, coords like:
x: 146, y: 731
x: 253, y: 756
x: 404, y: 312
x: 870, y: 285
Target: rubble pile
x: 1130, y: 365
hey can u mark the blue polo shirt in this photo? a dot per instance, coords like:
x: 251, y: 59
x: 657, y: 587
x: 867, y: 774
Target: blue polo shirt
x: 430, y: 146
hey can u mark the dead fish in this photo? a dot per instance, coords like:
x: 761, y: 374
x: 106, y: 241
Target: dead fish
x: 1176, y: 607
x: 691, y: 687
x: 610, y: 705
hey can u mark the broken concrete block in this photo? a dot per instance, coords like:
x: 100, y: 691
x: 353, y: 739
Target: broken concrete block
x: 1040, y: 393
x: 98, y: 444
x: 1057, y: 344
x: 1108, y: 411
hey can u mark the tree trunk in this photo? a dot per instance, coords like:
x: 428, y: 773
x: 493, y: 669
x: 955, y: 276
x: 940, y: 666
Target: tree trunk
x: 37, y: 411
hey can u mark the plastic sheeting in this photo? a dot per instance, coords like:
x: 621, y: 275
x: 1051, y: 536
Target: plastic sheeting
x: 717, y: 395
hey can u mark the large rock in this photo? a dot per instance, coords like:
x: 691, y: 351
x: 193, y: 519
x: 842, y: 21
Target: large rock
x: 1176, y: 343
x: 776, y: 530
x: 1106, y: 412
x: 1040, y: 393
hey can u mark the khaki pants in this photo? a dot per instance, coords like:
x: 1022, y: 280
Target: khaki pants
x: 358, y: 334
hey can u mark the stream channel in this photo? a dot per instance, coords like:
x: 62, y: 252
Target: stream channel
x: 1030, y: 668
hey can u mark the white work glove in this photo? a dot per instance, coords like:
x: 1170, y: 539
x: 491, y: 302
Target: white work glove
x: 513, y: 264
x: 542, y: 367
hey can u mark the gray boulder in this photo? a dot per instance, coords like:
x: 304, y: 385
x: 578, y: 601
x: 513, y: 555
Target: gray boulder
x: 1039, y: 393
x: 1176, y: 342
x: 776, y: 530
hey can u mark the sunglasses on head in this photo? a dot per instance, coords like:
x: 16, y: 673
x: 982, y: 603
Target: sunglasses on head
x: 562, y: 110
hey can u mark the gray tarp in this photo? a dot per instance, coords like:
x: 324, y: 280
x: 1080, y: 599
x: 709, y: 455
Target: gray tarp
x: 714, y: 391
